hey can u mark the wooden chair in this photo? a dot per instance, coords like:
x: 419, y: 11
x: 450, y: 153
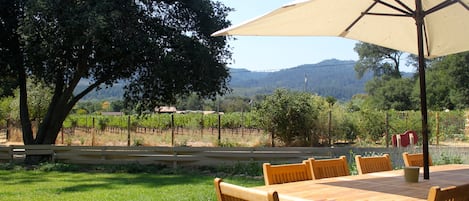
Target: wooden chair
x: 231, y: 192
x: 452, y: 193
x: 279, y: 174
x: 415, y: 159
x: 329, y: 167
x: 373, y: 164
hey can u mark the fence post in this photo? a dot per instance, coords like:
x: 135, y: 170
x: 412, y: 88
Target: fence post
x: 273, y: 139
x: 128, y: 131
x: 242, y: 121
x: 386, y: 129
x: 329, y: 127
x: 93, y: 133
x: 8, y: 130
x: 437, y: 128
x: 202, y: 125
x: 172, y: 129
x: 219, y: 128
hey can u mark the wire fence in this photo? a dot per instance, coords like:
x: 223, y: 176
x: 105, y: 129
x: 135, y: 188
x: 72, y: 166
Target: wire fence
x: 232, y: 130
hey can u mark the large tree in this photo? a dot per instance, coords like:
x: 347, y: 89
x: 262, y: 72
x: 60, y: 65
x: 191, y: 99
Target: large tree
x: 162, y: 48
x: 388, y: 90
x: 379, y: 60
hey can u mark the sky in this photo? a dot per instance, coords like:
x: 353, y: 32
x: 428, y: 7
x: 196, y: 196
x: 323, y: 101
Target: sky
x: 267, y: 53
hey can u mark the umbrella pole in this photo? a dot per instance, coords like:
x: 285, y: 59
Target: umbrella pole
x: 423, y: 94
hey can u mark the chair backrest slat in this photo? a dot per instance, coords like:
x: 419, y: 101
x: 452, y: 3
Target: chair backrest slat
x: 231, y: 192
x: 452, y: 193
x: 279, y: 174
x: 373, y: 164
x: 329, y: 167
x: 415, y: 159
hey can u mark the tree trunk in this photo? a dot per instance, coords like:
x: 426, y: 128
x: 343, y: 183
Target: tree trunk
x: 26, y: 126
x: 52, y: 122
x: 50, y: 126
x: 49, y: 130
x: 16, y: 51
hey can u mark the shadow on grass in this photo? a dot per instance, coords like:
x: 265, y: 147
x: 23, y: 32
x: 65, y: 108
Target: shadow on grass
x: 65, y: 179
x: 117, y: 180
x: 17, y: 178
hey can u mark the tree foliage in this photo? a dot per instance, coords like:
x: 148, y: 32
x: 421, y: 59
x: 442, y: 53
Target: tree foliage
x: 8, y: 46
x: 291, y: 116
x: 379, y: 60
x: 5, y: 109
x: 447, y: 82
x: 457, y: 66
x: 388, y: 90
x: 163, y: 48
x: 392, y: 93
x: 439, y: 89
x: 39, y: 97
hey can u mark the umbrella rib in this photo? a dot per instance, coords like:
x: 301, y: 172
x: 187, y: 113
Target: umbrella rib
x: 464, y: 5
x: 405, y: 6
x: 406, y: 12
x: 441, y: 6
x: 389, y: 14
x: 345, y: 32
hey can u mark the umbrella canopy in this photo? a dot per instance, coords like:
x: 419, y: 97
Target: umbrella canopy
x: 388, y: 23
x: 427, y: 28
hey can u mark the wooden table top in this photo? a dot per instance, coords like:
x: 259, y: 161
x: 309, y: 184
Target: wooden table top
x: 388, y: 185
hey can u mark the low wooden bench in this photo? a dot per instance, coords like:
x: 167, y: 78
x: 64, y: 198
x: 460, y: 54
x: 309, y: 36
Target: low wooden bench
x: 21, y: 151
x: 5, y: 154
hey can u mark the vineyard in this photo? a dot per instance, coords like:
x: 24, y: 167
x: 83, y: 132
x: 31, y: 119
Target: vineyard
x: 241, y: 129
x: 165, y: 121
x: 195, y: 129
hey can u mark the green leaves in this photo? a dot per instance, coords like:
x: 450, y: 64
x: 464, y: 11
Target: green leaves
x: 289, y: 115
x: 188, y: 60
x: 163, y: 49
x: 392, y: 93
x: 379, y: 60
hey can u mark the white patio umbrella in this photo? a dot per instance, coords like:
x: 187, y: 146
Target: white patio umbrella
x: 427, y: 28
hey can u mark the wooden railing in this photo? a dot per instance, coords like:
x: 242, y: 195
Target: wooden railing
x: 196, y: 156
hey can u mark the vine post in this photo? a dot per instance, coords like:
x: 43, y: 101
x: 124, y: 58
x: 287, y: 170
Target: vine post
x: 437, y: 119
x: 172, y: 129
x: 93, y: 132
x: 219, y: 128
x: 128, y: 131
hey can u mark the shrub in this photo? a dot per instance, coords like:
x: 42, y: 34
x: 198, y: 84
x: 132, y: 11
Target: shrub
x: 448, y: 159
x: 289, y: 115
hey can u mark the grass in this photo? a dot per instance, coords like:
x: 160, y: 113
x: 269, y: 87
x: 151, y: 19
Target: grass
x: 110, y: 183
x: 132, y: 182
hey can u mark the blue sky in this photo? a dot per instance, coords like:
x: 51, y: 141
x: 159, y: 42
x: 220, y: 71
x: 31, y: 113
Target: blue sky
x: 263, y: 53
x: 260, y: 53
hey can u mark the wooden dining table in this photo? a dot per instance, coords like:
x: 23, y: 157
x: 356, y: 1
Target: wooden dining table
x: 387, y: 185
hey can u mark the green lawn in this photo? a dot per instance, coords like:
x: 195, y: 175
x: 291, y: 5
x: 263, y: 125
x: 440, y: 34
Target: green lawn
x: 19, y: 184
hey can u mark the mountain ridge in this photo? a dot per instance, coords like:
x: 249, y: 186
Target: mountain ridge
x: 330, y: 77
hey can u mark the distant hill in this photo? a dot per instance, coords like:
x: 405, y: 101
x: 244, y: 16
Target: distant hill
x: 332, y: 77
